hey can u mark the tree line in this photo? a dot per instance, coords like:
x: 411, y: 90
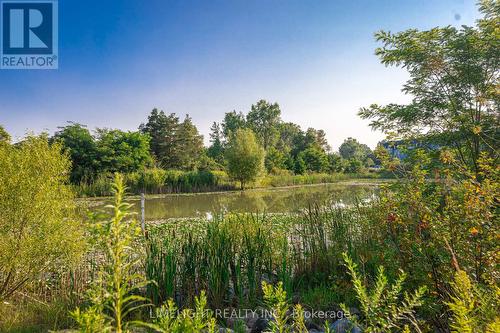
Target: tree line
x: 243, y: 145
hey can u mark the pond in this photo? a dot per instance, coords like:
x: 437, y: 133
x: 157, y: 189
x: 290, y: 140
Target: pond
x: 269, y: 200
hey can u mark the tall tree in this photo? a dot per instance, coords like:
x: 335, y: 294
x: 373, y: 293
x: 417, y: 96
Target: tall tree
x: 454, y: 79
x: 77, y: 141
x: 232, y: 122
x: 164, y: 140
x: 264, y: 119
x: 123, y: 152
x: 190, y: 144
x: 216, y: 149
x: 245, y: 157
x: 352, y: 149
x: 4, y: 135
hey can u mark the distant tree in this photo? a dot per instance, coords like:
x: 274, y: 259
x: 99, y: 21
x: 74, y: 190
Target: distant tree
x: 315, y: 159
x: 335, y: 163
x: 190, y: 144
x: 453, y: 80
x: 77, y: 141
x: 4, y: 135
x: 39, y: 229
x: 264, y: 119
x: 289, y: 135
x: 216, y: 149
x: 316, y: 138
x: 123, y: 152
x: 232, y: 122
x: 353, y: 165
x: 275, y: 159
x: 164, y: 144
x: 245, y: 157
x: 299, y: 166
x: 352, y: 149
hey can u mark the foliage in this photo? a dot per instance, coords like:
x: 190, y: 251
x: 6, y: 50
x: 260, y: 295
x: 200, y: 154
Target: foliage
x: 190, y: 144
x: 109, y: 151
x: 119, y: 151
x: 245, y: 158
x: 454, y: 84
x: 4, y: 135
x: 169, y: 319
x: 474, y: 309
x: 216, y: 149
x: 314, y: 159
x: 113, y: 297
x: 263, y: 120
x: 275, y: 298
x: 39, y: 230
x: 351, y: 149
x: 81, y: 147
x: 381, y: 308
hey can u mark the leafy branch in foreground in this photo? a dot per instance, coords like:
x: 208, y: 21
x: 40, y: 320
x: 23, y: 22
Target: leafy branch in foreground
x: 384, y: 308
x: 473, y: 309
x: 170, y: 320
x: 113, y: 297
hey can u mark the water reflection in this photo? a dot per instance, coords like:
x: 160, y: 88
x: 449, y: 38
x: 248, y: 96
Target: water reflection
x: 277, y: 200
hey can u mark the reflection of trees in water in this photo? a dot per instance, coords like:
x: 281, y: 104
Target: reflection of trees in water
x: 255, y: 201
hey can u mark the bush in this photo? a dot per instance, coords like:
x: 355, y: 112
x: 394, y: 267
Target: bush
x: 38, y: 226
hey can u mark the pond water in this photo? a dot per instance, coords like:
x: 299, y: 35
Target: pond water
x: 270, y: 200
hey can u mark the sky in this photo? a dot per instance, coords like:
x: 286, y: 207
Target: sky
x: 120, y: 59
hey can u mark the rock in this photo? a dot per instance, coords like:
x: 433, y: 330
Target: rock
x: 344, y: 326
x: 251, y: 319
x: 260, y: 325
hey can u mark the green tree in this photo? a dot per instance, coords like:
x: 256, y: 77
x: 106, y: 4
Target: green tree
x: 163, y: 131
x: 264, y: 119
x: 245, y: 157
x: 190, y: 144
x: 454, y: 81
x: 232, y: 122
x: 38, y: 226
x: 4, y: 135
x: 275, y: 159
x: 216, y: 149
x: 315, y: 159
x: 351, y: 148
x: 335, y: 163
x: 120, y: 151
x: 81, y: 147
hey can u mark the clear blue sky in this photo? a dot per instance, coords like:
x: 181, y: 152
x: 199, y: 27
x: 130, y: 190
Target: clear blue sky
x: 119, y: 59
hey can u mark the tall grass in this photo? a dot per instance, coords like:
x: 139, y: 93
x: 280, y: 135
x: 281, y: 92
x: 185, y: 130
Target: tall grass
x: 231, y: 256
x: 158, y: 181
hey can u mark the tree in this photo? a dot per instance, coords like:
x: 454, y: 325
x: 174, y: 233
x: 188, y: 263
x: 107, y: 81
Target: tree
x: 38, y: 226
x: 120, y: 151
x: 4, y: 135
x: 335, y: 163
x: 264, y: 119
x: 454, y: 76
x: 245, y: 157
x: 190, y: 144
x: 164, y: 140
x: 315, y: 159
x: 352, y: 149
x: 81, y: 147
x: 289, y: 133
x: 232, y: 122
x: 275, y: 159
x: 216, y: 149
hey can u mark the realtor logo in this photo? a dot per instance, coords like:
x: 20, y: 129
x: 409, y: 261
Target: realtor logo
x: 29, y: 34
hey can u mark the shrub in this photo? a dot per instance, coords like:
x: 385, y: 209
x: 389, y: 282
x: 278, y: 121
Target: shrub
x: 38, y: 226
